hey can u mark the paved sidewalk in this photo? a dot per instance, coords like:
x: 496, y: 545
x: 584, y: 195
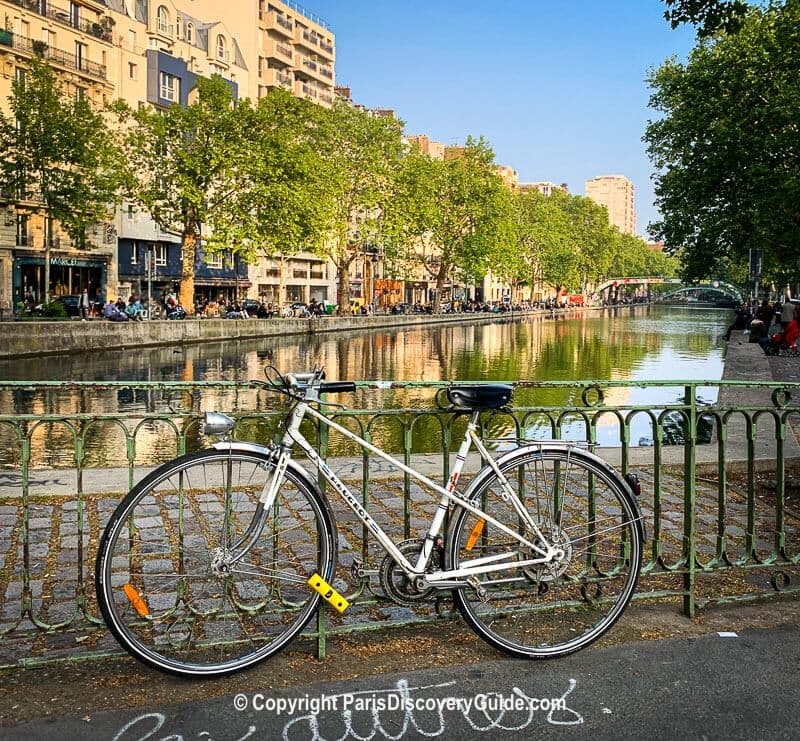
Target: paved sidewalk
x: 733, y: 684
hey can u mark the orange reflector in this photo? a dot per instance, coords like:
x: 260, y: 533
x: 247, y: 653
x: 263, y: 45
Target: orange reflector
x: 475, y: 534
x: 136, y: 600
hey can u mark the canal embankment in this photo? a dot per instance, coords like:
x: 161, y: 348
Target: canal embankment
x: 30, y: 338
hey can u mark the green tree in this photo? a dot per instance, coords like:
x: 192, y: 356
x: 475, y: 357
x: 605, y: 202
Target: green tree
x: 710, y: 16
x: 359, y: 161
x: 280, y: 204
x: 189, y: 167
x: 57, y: 153
x: 456, y: 213
x: 727, y: 150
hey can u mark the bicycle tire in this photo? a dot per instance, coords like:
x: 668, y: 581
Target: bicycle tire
x: 588, y: 509
x: 160, y: 571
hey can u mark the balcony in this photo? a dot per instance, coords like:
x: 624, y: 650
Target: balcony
x: 100, y: 28
x: 279, y: 23
x: 279, y: 50
x: 278, y: 78
x: 55, y: 56
x: 314, y: 69
x: 302, y: 90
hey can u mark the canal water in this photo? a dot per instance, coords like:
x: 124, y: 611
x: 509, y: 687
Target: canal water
x: 626, y: 343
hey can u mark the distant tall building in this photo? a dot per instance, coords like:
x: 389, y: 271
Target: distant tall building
x: 615, y: 192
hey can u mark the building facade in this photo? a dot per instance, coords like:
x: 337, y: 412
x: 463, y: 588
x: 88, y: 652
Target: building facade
x: 151, y: 52
x: 76, y: 39
x: 616, y: 193
x: 284, y: 45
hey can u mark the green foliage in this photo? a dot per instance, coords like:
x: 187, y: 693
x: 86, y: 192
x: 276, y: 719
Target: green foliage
x: 710, y: 16
x: 727, y: 149
x: 359, y: 156
x: 566, y: 242
x: 57, y: 152
x: 451, y: 214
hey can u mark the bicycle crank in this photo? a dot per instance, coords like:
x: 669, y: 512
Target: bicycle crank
x: 397, y: 585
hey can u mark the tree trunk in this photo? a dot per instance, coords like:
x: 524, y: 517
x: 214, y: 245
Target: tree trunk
x: 186, y: 294
x: 344, y: 290
x: 281, y: 281
x: 437, y: 299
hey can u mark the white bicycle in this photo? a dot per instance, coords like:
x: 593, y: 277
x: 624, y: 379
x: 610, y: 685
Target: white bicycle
x: 218, y: 559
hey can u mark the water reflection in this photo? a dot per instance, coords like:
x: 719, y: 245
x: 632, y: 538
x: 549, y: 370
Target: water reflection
x: 643, y: 343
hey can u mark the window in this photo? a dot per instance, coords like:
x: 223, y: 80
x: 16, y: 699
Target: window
x: 161, y: 254
x: 131, y: 212
x: 19, y: 74
x: 170, y: 87
x: 162, y: 20
x: 178, y: 27
x: 131, y: 40
x: 81, y: 52
x: 190, y: 32
x: 80, y: 93
x: 22, y: 230
x: 221, y: 53
x: 131, y: 71
x: 75, y: 14
x: 134, y: 253
x: 214, y: 260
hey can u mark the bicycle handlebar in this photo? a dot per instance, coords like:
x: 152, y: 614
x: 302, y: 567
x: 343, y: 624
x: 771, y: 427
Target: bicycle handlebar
x: 335, y: 387
x: 297, y: 380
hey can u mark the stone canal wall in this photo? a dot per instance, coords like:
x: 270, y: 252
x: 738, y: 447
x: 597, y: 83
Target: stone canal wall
x: 20, y: 339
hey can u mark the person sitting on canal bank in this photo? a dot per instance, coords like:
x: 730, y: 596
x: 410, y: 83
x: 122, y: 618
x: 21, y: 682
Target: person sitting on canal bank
x: 766, y: 313
x: 134, y: 309
x: 113, y: 314
x: 787, y: 338
x: 742, y: 321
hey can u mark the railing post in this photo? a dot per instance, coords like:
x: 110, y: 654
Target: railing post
x: 689, y: 502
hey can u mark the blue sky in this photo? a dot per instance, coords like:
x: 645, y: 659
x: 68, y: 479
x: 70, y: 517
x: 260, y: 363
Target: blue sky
x: 557, y: 87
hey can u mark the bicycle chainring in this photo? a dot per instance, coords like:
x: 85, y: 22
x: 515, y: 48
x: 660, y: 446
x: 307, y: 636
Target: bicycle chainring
x: 397, y: 586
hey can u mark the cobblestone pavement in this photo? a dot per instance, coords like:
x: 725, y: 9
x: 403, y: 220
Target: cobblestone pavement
x: 61, y: 561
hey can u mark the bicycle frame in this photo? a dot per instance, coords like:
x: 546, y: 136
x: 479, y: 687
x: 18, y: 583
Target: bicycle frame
x: 442, y: 579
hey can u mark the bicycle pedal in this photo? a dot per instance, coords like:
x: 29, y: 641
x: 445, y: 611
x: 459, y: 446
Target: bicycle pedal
x: 358, y: 571
x: 329, y: 594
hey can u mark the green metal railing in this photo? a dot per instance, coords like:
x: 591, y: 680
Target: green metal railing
x: 719, y: 483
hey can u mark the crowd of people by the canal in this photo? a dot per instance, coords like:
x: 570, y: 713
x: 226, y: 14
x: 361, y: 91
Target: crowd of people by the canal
x: 167, y: 306
x: 775, y: 326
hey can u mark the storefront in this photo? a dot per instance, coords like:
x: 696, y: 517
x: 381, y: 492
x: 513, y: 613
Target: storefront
x: 68, y: 275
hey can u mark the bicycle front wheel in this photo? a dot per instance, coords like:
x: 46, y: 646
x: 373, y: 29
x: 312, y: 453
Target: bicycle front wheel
x: 582, y: 507
x: 173, y: 583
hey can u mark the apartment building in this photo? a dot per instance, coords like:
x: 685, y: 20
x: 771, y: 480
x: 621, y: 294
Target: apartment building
x: 616, y: 193
x: 434, y: 150
x: 285, y: 46
x: 76, y: 38
x: 148, y: 52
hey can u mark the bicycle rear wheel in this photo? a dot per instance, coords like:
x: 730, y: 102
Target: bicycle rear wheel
x: 581, y: 506
x: 169, y: 584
